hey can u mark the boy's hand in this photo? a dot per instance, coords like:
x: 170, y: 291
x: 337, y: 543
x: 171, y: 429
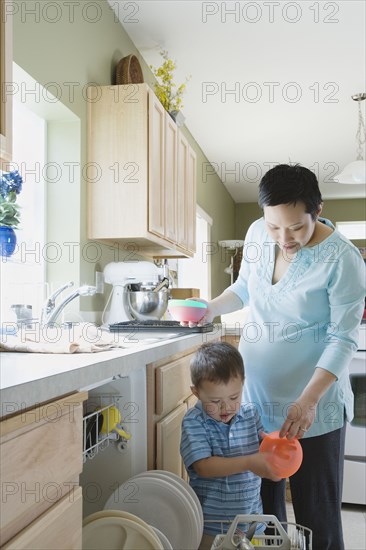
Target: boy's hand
x: 260, y: 465
x: 262, y: 435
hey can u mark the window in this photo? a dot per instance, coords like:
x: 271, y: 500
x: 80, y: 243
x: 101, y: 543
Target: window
x: 352, y: 230
x: 196, y: 272
x: 23, y: 274
x: 46, y: 143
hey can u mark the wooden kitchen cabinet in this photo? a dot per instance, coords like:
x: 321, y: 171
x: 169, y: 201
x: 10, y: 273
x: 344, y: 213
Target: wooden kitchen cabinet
x: 186, y: 217
x: 190, y: 402
x: 156, y: 180
x: 59, y: 527
x: 168, y: 434
x: 168, y: 398
x: 6, y: 60
x: 171, y: 184
x: 142, y: 184
x: 190, y: 199
x: 40, y: 463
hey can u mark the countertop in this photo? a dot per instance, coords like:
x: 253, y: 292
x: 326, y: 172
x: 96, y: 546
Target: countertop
x: 27, y: 379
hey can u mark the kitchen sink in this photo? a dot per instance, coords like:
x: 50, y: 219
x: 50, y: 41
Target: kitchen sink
x: 31, y: 341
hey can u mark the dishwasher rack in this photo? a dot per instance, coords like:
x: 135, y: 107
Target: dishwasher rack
x: 278, y: 535
x: 98, y: 428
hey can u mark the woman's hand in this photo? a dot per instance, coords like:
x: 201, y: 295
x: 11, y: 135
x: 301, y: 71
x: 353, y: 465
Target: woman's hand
x: 208, y: 317
x: 301, y: 414
x: 300, y: 417
x: 225, y: 303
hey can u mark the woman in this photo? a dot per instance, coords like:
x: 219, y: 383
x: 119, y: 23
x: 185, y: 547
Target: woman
x: 304, y: 283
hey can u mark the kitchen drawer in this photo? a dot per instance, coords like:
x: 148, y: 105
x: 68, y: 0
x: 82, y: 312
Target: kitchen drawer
x: 173, y: 382
x: 40, y: 460
x: 59, y: 527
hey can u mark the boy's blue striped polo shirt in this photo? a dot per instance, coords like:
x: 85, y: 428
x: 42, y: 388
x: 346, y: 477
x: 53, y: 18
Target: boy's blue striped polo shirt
x: 222, y: 498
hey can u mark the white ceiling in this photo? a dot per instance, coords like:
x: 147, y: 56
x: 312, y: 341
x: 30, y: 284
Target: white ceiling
x: 295, y: 66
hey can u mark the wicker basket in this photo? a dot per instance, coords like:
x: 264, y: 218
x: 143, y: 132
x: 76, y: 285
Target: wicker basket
x: 128, y: 71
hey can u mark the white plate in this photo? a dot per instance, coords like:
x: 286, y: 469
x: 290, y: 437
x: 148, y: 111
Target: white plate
x: 163, y: 539
x: 161, y: 505
x: 185, y: 486
x: 111, y: 514
x: 180, y: 485
x: 116, y: 533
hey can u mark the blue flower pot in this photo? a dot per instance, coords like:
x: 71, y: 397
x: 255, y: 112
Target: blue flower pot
x: 8, y: 240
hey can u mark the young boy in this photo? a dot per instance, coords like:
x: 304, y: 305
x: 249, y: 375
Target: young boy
x: 220, y: 440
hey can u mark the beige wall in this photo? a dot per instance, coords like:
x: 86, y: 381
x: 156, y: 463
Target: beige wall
x: 71, y: 54
x: 334, y: 210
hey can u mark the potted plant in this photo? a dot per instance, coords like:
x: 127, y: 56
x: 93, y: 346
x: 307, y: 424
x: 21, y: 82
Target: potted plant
x: 10, y: 187
x: 167, y: 92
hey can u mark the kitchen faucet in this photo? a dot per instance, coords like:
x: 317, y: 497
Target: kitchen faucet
x: 50, y: 312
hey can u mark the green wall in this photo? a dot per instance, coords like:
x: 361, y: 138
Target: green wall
x: 335, y: 210
x: 65, y: 50
x: 245, y: 214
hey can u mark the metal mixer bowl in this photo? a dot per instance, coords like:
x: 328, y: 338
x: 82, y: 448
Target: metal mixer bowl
x: 146, y: 304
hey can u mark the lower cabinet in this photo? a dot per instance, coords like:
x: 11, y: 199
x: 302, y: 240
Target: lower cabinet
x: 168, y: 441
x: 40, y: 463
x: 190, y: 401
x: 59, y: 527
x: 169, y: 397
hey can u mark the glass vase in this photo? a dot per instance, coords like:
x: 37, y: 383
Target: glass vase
x: 8, y: 240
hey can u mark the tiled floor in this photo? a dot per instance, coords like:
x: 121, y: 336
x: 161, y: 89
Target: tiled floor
x: 354, y: 525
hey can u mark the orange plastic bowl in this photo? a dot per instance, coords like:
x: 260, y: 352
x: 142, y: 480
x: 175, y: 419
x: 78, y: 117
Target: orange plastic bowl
x: 286, y: 455
x: 187, y: 312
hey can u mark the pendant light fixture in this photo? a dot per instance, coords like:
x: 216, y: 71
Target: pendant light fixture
x: 355, y: 172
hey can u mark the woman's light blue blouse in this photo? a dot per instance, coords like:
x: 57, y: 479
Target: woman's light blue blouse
x: 310, y: 318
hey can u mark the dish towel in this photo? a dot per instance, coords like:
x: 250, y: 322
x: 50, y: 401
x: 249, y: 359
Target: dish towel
x: 80, y: 338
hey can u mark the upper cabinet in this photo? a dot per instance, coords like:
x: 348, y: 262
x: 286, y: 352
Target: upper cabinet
x: 141, y: 180
x: 6, y: 59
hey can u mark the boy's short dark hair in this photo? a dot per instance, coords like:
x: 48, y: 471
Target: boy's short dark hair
x: 285, y: 184
x: 216, y: 362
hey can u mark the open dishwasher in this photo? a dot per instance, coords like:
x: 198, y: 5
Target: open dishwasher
x: 279, y: 535
x: 115, y: 437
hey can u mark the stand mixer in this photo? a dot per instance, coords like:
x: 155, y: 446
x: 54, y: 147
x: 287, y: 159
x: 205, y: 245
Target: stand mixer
x: 136, y: 292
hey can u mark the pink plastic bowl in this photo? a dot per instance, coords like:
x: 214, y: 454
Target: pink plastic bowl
x: 187, y: 313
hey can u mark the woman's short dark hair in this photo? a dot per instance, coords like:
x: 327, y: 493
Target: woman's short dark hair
x: 216, y: 362
x: 285, y: 184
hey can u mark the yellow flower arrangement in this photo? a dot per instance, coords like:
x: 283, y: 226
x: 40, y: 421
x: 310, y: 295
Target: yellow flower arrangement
x: 169, y: 95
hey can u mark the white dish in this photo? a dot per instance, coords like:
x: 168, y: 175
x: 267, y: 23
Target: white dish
x: 163, y: 539
x: 185, y: 486
x: 111, y: 514
x: 116, y: 533
x: 161, y: 505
